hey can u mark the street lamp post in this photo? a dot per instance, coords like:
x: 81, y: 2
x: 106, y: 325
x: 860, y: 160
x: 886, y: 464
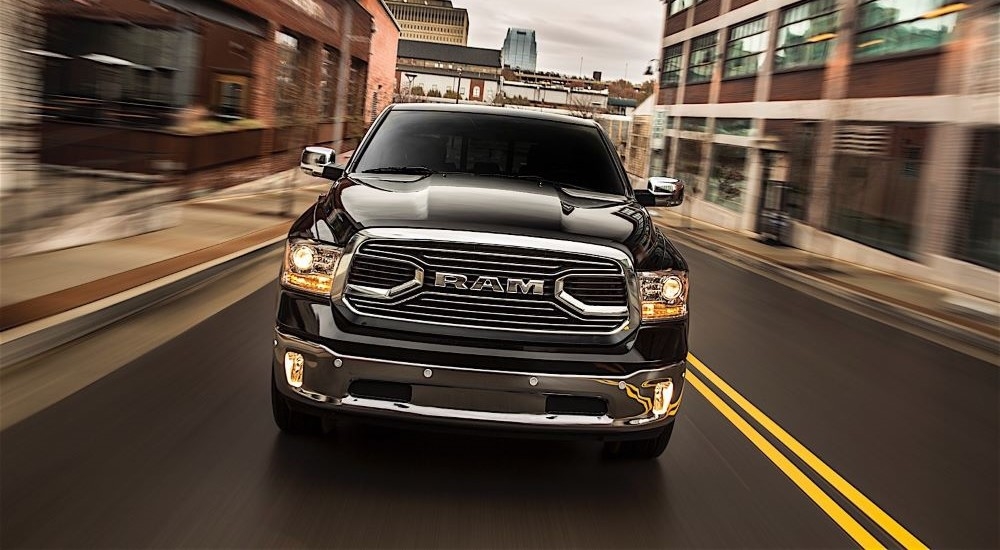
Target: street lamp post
x: 458, y: 89
x: 409, y: 89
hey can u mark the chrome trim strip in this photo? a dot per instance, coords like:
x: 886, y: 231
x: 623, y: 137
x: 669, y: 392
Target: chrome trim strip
x: 314, y: 345
x: 466, y: 414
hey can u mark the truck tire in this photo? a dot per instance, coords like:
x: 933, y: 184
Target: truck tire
x: 289, y: 420
x: 643, y: 449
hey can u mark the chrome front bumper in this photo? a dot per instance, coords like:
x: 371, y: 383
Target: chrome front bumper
x: 476, y: 398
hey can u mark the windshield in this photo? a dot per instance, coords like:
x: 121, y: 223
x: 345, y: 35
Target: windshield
x: 496, y: 145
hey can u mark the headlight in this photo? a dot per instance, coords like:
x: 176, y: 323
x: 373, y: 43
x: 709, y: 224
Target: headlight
x: 664, y: 294
x: 310, y: 266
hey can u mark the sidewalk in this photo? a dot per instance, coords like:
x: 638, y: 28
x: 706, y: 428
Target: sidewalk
x: 37, y: 287
x: 968, y: 319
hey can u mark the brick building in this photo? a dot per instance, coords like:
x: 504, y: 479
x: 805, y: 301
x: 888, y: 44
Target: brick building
x: 873, y: 124
x: 21, y: 38
x: 194, y: 86
x: 382, y: 58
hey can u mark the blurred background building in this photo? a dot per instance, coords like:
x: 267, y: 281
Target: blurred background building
x: 106, y: 98
x: 872, y: 126
x: 520, y: 50
x: 431, y: 21
x: 430, y: 71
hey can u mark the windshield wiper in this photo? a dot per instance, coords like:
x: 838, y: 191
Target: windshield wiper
x: 414, y: 170
x: 537, y: 179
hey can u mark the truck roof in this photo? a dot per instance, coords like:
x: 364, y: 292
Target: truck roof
x: 491, y: 110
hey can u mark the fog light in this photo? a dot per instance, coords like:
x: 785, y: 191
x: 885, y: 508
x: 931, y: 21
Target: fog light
x: 294, y: 363
x: 661, y: 397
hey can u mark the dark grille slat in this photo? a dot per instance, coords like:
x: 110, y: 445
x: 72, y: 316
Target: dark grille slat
x: 598, y: 281
x: 366, y: 306
x: 379, y: 272
x: 597, y: 291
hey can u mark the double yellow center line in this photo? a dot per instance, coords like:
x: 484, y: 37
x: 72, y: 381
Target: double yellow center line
x: 836, y: 512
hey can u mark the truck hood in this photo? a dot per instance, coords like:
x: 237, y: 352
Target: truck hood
x: 494, y: 205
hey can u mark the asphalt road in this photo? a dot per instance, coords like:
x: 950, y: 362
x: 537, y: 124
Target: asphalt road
x: 177, y: 449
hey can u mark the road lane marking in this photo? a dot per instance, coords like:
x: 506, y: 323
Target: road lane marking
x: 863, y: 503
x: 823, y: 500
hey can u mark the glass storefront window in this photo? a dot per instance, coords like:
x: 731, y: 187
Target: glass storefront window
x: 806, y: 34
x: 896, y: 26
x: 746, y: 47
x: 728, y: 176
x: 979, y: 243
x: 878, y: 173
x: 670, y: 74
x: 688, y: 166
x: 693, y: 124
x: 702, y: 60
x: 733, y: 126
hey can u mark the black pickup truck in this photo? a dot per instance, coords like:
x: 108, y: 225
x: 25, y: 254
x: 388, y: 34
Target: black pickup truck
x: 484, y: 268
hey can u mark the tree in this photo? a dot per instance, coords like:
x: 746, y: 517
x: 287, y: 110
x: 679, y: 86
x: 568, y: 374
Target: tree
x: 583, y: 109
x: 628, y: 90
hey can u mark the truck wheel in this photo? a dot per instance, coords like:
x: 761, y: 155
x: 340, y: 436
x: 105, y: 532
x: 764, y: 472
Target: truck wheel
x: 640, y: 448
x: 289, y: 420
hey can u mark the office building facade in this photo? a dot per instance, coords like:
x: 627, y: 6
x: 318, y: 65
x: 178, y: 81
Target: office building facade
x: 872, y: 124
x: 520, y: 51
x: 431, y: 21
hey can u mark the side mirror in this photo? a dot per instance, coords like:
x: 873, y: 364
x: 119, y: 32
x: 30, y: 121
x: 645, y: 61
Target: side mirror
x: 333, y: 172
x: 664, y: 191
x: 315, y: 159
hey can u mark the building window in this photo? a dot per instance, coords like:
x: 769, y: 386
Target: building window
x: 288, y: 89
x: 670, y: 74
x: 979, y: 241
x: 688, y: 168
x: 328, y: 81
x: 746, y: 47
x: 356, y: 93
x: 895, y: 26
x: 702, y: 58
x: 806, y: 34
x: 230, y: 97
x: 677, y: 6
x: 693, y: 124
x: 728, y: 177
x: 733, y: 126
x: 802, y: 163
x: 878, y: 171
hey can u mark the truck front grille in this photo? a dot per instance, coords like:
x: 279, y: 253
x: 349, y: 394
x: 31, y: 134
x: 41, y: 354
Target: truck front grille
x: 497, y: 305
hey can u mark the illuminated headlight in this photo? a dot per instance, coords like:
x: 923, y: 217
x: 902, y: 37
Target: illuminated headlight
x: 310, y: 266
x: 664, y: 295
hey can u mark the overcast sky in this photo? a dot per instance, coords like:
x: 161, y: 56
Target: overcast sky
x: 607, y: 34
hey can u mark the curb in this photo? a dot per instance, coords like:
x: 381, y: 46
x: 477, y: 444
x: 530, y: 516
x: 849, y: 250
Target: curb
x: 34, y: 338
x: 872, y: 303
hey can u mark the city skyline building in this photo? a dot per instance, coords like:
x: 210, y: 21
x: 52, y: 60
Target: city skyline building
x: 520, y: 50
x: 435, y: 21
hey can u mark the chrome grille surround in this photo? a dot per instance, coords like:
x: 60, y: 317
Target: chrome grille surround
x: 554, y: 313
